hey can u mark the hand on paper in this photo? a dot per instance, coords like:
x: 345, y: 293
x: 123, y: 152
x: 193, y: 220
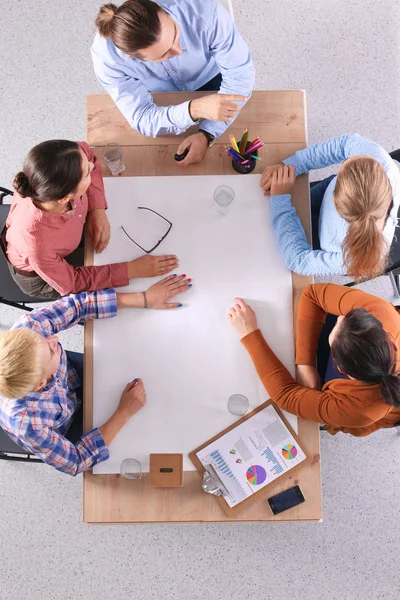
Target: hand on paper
x: 198, y: 147
x: 243, y: 318
x: 266, y: 177
x: 158, y: 294
x: 283, y: 180
x: 133, y: 398
x: 216, y: 107
x: 151, y: 266
x: 308, y: 377
x: 98, y: 227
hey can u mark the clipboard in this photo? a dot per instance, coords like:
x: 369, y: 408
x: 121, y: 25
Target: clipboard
x: 263, y: 492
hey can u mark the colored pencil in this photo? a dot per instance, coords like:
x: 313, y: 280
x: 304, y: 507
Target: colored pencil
x: 243, y: 142
x: 233, y: 153
x: 254, y: 148
x: 253, y: 145
x: 255, y: 157
x: 234, y: 144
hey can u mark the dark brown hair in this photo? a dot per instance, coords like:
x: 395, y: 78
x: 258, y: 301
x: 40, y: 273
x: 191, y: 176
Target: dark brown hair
x: 51, y: 171
x: 362, y: 197
x: 132, y: 26
x: 363, y: 350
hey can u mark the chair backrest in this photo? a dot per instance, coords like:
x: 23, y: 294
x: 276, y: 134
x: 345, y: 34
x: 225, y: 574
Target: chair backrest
x: 8, y: 288
x: 7, y: 445
x: 228, y: 6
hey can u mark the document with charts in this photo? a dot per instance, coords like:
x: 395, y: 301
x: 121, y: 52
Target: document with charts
x: 252, y: 455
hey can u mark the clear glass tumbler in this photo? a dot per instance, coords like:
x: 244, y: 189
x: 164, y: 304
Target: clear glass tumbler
x: 223, y: 198
x: 112, y: 154
x: 238, y: 405
x: 131, y: 469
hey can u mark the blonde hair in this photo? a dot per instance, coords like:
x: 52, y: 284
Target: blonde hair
x: 362, y: 197
x: 21, y: 369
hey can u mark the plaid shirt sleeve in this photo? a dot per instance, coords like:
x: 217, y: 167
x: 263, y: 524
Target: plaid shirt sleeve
x: 68, y: 311
x: 55, y: 450
x: 95, y: 192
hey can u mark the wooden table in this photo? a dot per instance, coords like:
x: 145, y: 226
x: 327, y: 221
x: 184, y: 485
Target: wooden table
x: 280, y: 118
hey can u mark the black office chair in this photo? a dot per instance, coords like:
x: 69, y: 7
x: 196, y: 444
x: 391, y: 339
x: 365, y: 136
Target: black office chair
x: 9, y: 450
x: 10, y: 293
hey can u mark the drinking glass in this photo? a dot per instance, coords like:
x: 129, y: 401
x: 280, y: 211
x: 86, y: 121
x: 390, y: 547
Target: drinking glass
x: 223, y: 198
x: 131, y: 468
x: 113, y: 156
x: 238, y: 405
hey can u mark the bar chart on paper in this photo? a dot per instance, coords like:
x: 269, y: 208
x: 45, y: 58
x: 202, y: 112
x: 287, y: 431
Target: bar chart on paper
x: 276, y: 467
x: 236, y: 490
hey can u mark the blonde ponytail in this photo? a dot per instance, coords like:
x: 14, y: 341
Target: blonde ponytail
x: 362, y: 197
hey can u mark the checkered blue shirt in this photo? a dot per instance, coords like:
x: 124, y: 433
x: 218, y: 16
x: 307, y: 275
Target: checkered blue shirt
x: 39, y: 421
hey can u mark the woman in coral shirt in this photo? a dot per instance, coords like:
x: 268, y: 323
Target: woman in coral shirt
x: 360, y: 390
x: 59, y: 190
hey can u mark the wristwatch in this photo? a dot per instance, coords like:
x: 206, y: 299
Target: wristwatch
x: 209, y: 136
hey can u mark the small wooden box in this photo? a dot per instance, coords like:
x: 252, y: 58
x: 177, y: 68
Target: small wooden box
x: 166, y: 470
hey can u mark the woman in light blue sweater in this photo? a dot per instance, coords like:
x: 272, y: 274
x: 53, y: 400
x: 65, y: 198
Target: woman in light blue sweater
x: 354, y: 214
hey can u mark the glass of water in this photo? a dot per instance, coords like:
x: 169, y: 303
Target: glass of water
x: 131, y: 469
x: 223, y: 198
x: 238, y: 405
x: 112, y: 154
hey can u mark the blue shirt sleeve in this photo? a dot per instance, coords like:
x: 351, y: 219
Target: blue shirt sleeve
x: 293, y: 245
x: 335, y: 151
x: 233, y: 57
x: 69, y: 310
x: 136, y: 103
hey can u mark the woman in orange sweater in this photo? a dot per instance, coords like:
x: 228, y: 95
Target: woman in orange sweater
x: 361, y: 389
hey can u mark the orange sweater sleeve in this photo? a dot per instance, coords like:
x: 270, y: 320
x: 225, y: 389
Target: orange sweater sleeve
x: 321, y: 406
x: 319, y: 299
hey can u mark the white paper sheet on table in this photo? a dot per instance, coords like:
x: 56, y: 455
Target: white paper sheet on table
x: 190, y: 358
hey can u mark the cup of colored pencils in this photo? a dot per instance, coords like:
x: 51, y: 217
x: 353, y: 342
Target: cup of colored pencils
x: 244, y: 153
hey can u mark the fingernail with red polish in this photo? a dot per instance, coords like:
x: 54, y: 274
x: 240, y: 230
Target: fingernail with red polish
x: 184, y: 275
x: 190, y: 279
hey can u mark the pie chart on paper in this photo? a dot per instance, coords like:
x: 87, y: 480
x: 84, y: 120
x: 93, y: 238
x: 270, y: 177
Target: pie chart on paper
x: 289, y: 451
x: 256, y: 475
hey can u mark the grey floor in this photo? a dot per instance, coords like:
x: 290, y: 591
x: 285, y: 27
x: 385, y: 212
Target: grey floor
x: 345, y: 53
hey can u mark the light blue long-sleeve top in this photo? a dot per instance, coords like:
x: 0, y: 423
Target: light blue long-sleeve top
x: 296, y: 251
x: 211, y: 44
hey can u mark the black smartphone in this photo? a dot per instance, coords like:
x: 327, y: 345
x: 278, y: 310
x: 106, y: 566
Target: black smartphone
x: 179, y: 157
x: 286, y: 500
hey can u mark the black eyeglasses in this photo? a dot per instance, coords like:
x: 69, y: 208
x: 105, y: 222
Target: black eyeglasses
x: 159, y: 241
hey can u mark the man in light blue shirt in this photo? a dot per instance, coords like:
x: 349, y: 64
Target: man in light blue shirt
x: 176, y: 45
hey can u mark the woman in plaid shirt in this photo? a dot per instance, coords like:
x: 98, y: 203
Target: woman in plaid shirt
x: 39, y: 386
